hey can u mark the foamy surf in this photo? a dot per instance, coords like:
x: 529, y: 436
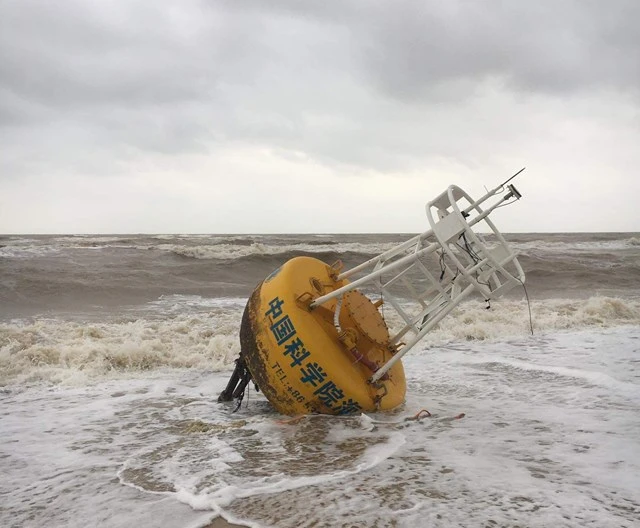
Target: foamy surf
x: 193, y: 332
x: 540, y: 445
x: 50, y: 274
x: 372, y: 456
x: 229, y: 247
x: 78, y: 352
x: 233, y: 251
x: 113, y: 350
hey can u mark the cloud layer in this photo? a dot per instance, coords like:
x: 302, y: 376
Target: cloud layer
x: 109, y: 111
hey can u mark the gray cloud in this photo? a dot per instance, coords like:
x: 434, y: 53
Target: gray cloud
x: 91, y: 87
x: 258, y: 70
x: 544, y: 47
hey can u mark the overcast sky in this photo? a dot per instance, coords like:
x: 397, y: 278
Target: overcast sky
x: 319, y: 116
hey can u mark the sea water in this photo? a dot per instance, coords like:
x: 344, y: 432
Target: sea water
x: 113, y: 351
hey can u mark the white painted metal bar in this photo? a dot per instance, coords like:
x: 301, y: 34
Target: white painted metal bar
x: 368, y: 278
x: 429, y: 326
x: 383, y: 256
x: 468, y: 267
x: 399, y: 310
x: 405, y: 245
x: 433, y: 307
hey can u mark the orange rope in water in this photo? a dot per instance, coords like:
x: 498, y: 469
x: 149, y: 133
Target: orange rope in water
x: 419, y: 415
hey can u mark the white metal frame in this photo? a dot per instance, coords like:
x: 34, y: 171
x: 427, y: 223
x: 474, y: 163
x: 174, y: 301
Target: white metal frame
x: 466, y: 264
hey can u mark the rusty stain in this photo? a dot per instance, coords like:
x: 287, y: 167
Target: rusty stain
x: 256, y: 355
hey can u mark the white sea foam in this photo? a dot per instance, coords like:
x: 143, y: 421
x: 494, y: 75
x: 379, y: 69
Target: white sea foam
x: 577, y: 246
x: 593, y: 377
x: 186, y: 331
x: 221, y: 247
x: 472, y: 321
x: 224, y: 248
x: 548, y: 439
x: 233, y: 251
x: 26, y: 251
x: 227, y: 247
x: 87, y: 239
x: 282, y: 482
x: 75, y: 352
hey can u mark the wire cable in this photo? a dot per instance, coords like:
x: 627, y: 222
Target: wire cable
x: 528, y: 303
x: 474, y: 257
x: 507, y: 203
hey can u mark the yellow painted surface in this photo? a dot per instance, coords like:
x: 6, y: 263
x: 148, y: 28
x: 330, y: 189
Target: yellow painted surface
x: 298, y: 352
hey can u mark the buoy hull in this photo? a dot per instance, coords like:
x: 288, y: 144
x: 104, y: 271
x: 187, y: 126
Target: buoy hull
x: 295, y: 354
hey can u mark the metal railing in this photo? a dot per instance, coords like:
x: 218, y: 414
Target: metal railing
x: 426, y: 277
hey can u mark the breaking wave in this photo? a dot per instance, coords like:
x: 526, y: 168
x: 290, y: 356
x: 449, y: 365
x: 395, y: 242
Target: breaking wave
x: 235, y: 251
x: 578, y: 246
x: 230, y: 247
x: 473, y: 322
x: 72, y: 352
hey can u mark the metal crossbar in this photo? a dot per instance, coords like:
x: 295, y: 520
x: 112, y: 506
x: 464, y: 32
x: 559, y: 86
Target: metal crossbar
x: 427, y: 276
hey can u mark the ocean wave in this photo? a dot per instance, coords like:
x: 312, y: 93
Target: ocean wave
x: 68, y: 352
x: 26, y: 252
x: 229, y: 247
x: 74, y: 352
x: 473, y: 322
x: 216, y: 248
x: 235, y: 251
x: 633, y: 241
x: 578, y: 246
x: 590, y: 376
x: 88, y: 239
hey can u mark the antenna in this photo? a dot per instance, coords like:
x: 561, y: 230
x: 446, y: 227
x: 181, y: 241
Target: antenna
x: 512, y: 177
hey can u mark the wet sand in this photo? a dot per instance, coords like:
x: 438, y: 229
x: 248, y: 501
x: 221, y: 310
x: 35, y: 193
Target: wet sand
x: 221, y: 523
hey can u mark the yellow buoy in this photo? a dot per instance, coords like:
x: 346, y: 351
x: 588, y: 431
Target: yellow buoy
x: 313, y: 343
x: 317, y: 360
